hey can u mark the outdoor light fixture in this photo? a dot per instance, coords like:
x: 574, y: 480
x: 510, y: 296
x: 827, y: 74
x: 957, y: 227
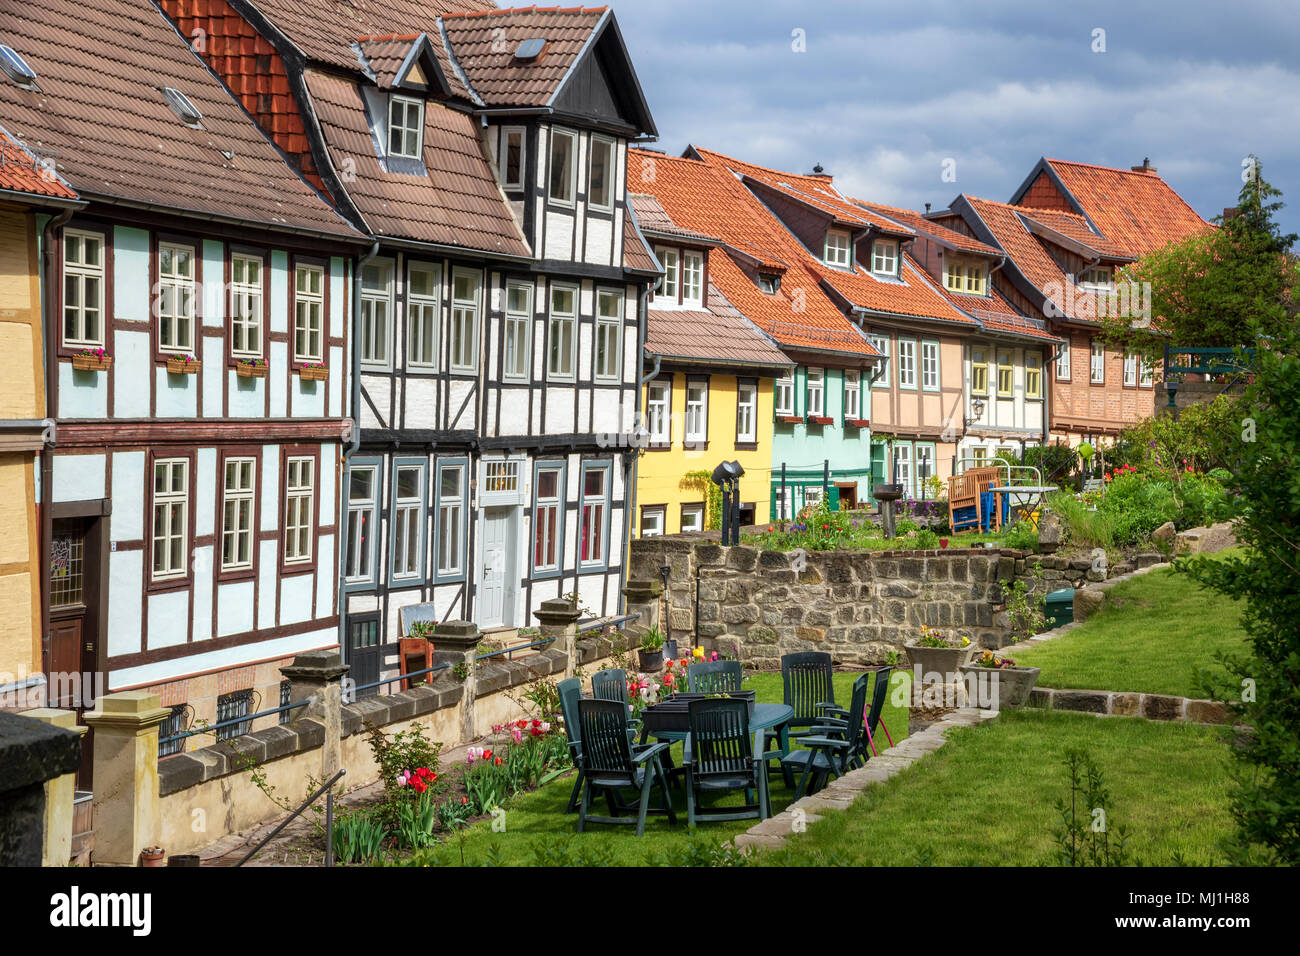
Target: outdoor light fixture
x: 1171, y: 386
x: 727, y: 477
x: 977, y: 410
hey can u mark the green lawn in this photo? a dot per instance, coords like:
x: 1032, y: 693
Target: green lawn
x: 535, y: 822
x: 987, y: 798
x: 1153, y: 635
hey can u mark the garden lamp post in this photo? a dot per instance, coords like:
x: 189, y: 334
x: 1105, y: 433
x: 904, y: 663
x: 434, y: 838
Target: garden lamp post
x: 727, y: 477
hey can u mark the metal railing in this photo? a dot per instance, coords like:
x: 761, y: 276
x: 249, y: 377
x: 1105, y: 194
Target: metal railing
x: 234, y: 721
x: 326, y: 788
x: 392, y: 680
x: 592, y: 623
x: 517, y: 647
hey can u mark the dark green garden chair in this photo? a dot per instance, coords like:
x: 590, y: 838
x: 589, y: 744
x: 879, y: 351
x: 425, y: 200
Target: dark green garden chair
x: 570, y: 693
x: 610, y: 762
x: 879, y: 694
x: 714, y: 677
x: 720, y: 756
x: 808, y: 687
x: 833, y: 748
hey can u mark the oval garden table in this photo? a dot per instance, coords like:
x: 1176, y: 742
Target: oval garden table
x: 764, y: 718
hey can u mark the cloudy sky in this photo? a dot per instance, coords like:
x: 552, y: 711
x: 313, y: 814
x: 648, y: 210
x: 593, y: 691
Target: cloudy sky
x: 884, y: 93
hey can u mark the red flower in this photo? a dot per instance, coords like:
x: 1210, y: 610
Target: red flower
x: 419, y: 785
x: 521, y: 724
x: 537, y: 723
x: 498, y: 761
x: 487, y: 755
x: 464, y: 800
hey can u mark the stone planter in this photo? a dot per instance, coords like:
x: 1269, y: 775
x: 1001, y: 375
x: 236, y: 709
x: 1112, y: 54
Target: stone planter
x: 938, y: 660
x: 1013, y: 685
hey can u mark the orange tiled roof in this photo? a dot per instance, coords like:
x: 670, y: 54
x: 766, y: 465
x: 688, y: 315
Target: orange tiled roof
x: 21, y: 172
x: 1138, y: 211
x: 918, y: 223
x: 1075, y: 227
x: 708, y: 199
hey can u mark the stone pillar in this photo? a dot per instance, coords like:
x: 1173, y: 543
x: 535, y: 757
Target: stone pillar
x: 558, y: 619
x: 457, y: 644
x: 317, y: 677
x: 31, y: 754
x: 59, y: 792
x: 644, y: 597
x: 127, y: 805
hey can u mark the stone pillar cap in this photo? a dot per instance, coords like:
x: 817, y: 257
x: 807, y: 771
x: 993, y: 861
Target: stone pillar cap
x: 32, y: 751
x: 129, y: 708
x: 315, y: 665
x: 557, y: 611
x: 456, y: 635
x: 643, y: 586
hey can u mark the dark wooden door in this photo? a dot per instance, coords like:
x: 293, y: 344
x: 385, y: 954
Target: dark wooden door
x: 72, y: 668
x: 365, y: 654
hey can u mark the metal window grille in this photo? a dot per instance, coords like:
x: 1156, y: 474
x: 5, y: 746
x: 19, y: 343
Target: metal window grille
x: 230, y: 706
x: 176, y: 723
x: 285, y: 701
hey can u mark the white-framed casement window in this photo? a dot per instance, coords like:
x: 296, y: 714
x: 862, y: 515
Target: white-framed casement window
x: 907, y: 363
x: 466, y: 289
x: 668, y: 258
x: 363, y: 504
x: 816, y: 393
x: 83, y: 288
x: 510, y: 157
x: 1130, y: 369
x: 376, y: 307
x: 652, y: 521
x: 884, y: 257
x: 408, y: 521
x: 245, y: 306
x: 881, y: 344
x: 1097, y: 363
x: 548, y: 518
x: 839, y: 249
x: 657, y: 412
x: 563, y: 332
x: 852, y: 395
x: 609, y: 335
x: 697, y: 412
x: 903, y: 466
x: 299, y: 495
x: 518, y: 331
x: 783, y: 393
x: 1063, y: 363
x: 237, y: 514
x: 593, y: 514
x: 979, y: 372
x: 563, y: 174
x: 930, y: 366
x: 175, y: 298
x: 746, y: 414
x: 1033, y: 375
x: 308, y: 313
x: 783, y: 499
x: 423, y: 286
x: 812, y: 495
x: 451, y: 519
x: 692, y: 518
x: 1147, y: 373
x: 693, y: 279
x: 171, y: 502
x: 1097, y: 279
x: 405, y: 127
x: 600, y: 174
x: 1006, y: 375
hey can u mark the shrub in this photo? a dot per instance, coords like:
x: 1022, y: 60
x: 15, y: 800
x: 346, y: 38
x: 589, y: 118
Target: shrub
x: 927, y: 540
x: 1021, y: 535
x: 400, y: 758
x: 1084, y: 526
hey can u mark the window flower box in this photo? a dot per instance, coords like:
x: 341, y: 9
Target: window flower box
x: 857, y: 422
x: 313, y: 373
x: 790, y: 419
x: 92, y: 360
x: 251, y: 368
x: 183, y: 365
x: 820, y: 420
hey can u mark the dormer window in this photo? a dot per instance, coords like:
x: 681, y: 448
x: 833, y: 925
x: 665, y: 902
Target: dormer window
x: 838, y: 249
x: 769, y: 282
x: 683, y: 283
x: 966, y: 276
x: 1098, y: 278
x: 405, y: 127
x: 884, y: 257
x: 693, y: 278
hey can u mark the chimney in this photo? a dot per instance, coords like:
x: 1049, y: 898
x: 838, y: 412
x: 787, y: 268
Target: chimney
x: 927, y: 209
x: 820, y: 170
x: 1146, y: 167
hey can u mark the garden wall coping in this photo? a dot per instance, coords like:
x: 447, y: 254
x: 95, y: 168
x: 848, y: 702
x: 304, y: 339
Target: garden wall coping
x: 1131, y: 704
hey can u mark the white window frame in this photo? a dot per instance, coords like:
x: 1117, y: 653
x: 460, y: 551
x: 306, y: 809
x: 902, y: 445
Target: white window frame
x: 884, y: 257
x: 670, y: 259
x: 655, y: 513
x: 907, y: 363
x: 696, y: 514
x: 408, y: 132
x: 182, y: 294
x: 611, y: 172
x: 451, y: 518
x: 837, y: 251
x: 881, y: 345
x: 783, y: 397
x: 697, y: 412
x: 562, y: 361
x: 1063, y: 363
x: 237, y: 503
x: 572, y: 183
x: 376, y: 325
x: 503, y: 154
x: 359, y: 563
x: 609, y: 334
x: 902, y: 457
x: 815, y: 393
x: 517, y: 356
x: 422, y: 315
x: 299, y: 512
x: 308, y: 314
x: 172, y: 505
x: 408, y: 517
x: 79, y: 272
x: 1146, y: 373
x: 1130, y: 369
x: 746, y: 413
x: 548, y: 534
x: 852, y: 395
x: 692, y: 279
x: 929, y: 365
x: 246, y: 305
x: 658, y: 410
x: 1096, y: 362
x: 1097, y: 279
x: 465, y: 314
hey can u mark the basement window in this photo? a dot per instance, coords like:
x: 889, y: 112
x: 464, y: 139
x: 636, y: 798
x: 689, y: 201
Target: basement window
x: 182, y: 107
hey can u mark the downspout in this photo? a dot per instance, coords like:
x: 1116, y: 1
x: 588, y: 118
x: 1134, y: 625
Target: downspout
x: 47, y: 455
x: 354, y: 408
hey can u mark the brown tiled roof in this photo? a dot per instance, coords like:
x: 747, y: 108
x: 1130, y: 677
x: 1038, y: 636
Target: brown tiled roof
x: 386, y: 54
x: 636, y: 254
x: 21, y: 172
x: 101, y: 115
x: 457, y: 203
x: 1138, y: 211
x: 655, y: 221
x: 718, y: 335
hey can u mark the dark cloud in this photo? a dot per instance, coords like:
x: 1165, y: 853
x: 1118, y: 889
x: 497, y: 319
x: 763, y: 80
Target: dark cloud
x: 886, y: 92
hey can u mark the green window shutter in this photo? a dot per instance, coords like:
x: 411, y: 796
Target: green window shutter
x: 833, y: 496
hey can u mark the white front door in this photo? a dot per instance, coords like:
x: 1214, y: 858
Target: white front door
x: 496, y: 590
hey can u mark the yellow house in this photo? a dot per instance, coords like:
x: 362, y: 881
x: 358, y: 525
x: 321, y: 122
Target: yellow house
x: 708, y: 396
x: 26, y: 190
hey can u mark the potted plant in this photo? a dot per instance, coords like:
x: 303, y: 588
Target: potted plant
x: 938, y: 652
x: 313, y: 371
x: 92, y: 360
x: 152, y: 856
x: 651, y: 650
x: 1009, y: 682
x: 183, y: 365
x: 251, y: 368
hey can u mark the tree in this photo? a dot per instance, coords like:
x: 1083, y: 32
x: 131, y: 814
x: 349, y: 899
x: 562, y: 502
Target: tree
x: 1224, y: 287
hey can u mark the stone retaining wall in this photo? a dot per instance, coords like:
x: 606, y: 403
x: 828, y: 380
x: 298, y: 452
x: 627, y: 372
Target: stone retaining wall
x: 1122, y: 704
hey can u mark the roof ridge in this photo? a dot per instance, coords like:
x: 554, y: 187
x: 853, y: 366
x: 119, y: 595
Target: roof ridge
x: 384, y: 38
x: 500, y: 11
x: 1148, y: 172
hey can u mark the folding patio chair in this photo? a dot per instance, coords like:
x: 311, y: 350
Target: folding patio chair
x: 611, y: 763
x: 714, y: 677
x: 720, y: 756
x: 834, y: 748
x: 963, y: 503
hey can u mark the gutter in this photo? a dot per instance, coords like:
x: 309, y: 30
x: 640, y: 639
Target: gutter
x: 40, y: 199
x: 459, y: 252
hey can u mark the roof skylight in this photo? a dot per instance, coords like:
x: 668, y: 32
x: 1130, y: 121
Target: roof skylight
x: 180, y: 103
x: 530, y: 49
x: 16, y: 68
